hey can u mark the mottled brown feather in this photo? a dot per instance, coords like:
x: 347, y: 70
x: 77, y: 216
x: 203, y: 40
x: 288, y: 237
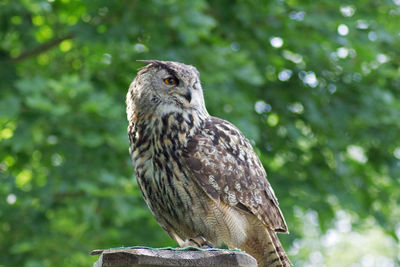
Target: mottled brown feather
x: 229, y: 170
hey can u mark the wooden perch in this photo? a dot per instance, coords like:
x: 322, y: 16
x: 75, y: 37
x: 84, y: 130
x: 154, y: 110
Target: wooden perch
x: 142, y: 256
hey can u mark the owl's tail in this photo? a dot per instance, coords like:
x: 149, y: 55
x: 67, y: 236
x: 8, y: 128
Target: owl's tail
x: 277, y: 250
x: 267, y: 250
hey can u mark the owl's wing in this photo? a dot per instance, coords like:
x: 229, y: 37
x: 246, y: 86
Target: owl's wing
x: 225, y: 165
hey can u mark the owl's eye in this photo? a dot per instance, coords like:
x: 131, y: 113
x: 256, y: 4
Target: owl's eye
x: 171, y: 81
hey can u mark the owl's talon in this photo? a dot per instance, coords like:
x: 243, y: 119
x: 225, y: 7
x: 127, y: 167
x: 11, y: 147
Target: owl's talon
x: 198, y: 241
x: 209, y: 245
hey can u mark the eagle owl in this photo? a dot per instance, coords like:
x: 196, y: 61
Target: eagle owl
x: 198, y: 174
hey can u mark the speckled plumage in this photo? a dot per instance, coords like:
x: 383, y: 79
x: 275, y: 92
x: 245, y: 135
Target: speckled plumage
x: 198, y: 174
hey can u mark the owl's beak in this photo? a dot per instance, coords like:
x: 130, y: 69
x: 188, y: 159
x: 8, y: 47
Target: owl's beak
x: 188, y: 95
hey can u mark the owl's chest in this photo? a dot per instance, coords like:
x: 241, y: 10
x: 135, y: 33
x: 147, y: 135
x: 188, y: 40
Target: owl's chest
x: 158, y: 165
x: 163, y: 180
x: 158, y: 174
x: 163, y: 177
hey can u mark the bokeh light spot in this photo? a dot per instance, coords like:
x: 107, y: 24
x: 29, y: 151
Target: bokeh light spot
x: 285, y: 75
x: 11, y: 199
x: 273, y: 120
x: 276, y: 42
x: 65, y: 45
x: 343, y: 29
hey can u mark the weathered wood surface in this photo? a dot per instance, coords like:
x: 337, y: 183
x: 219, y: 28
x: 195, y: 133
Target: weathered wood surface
x: 172, y: 257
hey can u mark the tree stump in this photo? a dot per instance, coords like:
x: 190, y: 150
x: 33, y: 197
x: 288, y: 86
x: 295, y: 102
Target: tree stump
x: 144, y: 256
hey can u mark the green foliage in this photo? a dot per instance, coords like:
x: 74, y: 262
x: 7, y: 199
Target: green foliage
x: 314, y: 84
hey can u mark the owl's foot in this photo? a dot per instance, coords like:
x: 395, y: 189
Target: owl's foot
x: 198, y: 241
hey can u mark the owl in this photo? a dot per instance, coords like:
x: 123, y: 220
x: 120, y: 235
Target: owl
x: 198, y: 174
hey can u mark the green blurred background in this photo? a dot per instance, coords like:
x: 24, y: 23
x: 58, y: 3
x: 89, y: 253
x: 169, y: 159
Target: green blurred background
x: 314, y: 84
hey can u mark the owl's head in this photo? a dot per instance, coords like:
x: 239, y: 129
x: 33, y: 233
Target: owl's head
x: 163, y: 87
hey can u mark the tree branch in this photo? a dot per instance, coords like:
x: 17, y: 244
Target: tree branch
x: 41, y: 49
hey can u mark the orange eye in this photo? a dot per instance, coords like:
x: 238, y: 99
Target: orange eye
x: 171, y: 80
